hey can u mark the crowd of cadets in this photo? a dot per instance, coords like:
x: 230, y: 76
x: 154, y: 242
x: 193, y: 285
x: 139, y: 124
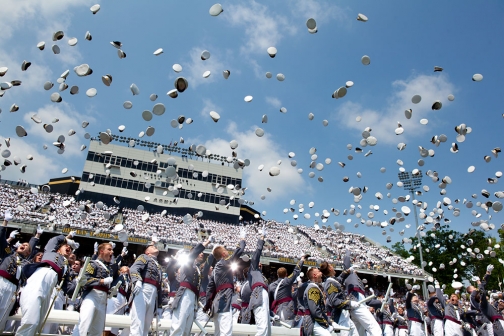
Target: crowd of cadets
x: 191, y: 289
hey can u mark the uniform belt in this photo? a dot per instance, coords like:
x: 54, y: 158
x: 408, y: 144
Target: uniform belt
x: 414, y: 319
x: 259, y: 284
x: 224, y: 286
x: 495, y: 318
x: 55, y: 268
x: 9, y: 277
x: 436, y: 317
x: 123, y: 292
x: 358, y: 290
x: 244, y: 304
x: 172, y: 294
x: 387, y: 322
x: 302, y: 313
x: 190, y: 286
x: 236, y: 306
x: 403, y: 327
x: 202, y: 294
x: 101, y: 288
x: 449, y: 318
x: 152, y: 282
x: 276, y: 303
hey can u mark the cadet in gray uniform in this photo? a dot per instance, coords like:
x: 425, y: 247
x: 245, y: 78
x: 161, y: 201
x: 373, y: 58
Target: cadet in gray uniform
x: 281, y: 293
x: 146, y: 276
x: 96, y: 285
x: 206, y: 273
x: 259, y: 300
x: 220, y: 288
x: 185, y: 302
x: 414, y: 313
x: 336, y: 298
x: 10, y: 269
x: 316, y: 322
x: 487, y: 309
x: 245, y: 293
x: 42, y: 278
x: 436, y: 311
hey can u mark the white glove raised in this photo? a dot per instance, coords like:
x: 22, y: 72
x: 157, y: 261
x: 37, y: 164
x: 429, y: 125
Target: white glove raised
x: 138, y: 288
x: 82, y: 281
x: 354, y: 305
x: 416, y: 287
x: 7, y: 215
x: 264, y: 231
x: 155, y: 238
x: 17, y: 245
x: 107, y: 281
x: 436, y: 284
x: 243, y: 233
x: 371, y: 290
x: 72, y: 234
x: 276, y: 318
x: 330, y: 329
x: 72, y: 244
x: 39, y: 230
x: 490, y: 268
x: 13, y: 234
x: 95, y: 248
x: 124, y: 251
x: 113, y: 244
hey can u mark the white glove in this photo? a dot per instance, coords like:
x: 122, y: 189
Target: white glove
x: 155, y: 238
x: 72, y: 244
x: 96, y: 248
x: 490, y: 268
x: 330, y: 329
x: 72, y: 234
x: 354, y: 305
x: 276, y: 318
x: 263, y: 231
x: 13, y: 234
x: 124, y: 251
x: 243, y: 233
x: 371, y: 290
x: 392, y: 293
x: 138, y: 288
x: 39, y: 230
x: 113, y: 244
x: 7, y: 215
x: 107, y: 281
x: 416, y: 287
x: 82, y: 281
x: 436, y: 284
x: 17, y: 245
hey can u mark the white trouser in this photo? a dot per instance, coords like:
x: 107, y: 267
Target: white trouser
x: 437, y: 327
x: 363, y: 316
x: 36, y: 299
x: 223, y: 323
x: 92, y: 314
x: 453, y: 329
x: 52, y: 328
x: 401, y: 332
x: 320, y: 331
x: 8, y: 291
x: 142, y: 311
x: 262, y: 316
x: 416, y: 329
x: 388, y: 330
x: 486, y: 329
x: 168, y: 312
x: 345, y: 321
x: 183, y: 316
x: 112, y: 305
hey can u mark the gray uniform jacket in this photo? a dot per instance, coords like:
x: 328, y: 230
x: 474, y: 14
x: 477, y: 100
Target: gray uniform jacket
x: 220, y: 287
x: 412, y: 310
x: 12, y: 262
x: 489, y: 311
x: 314, y: 302
x: 51, y: 258
x: 147, y: 270
x: 336, y: 297
x: 95, y: 271
x: 283, y: 303
x: 205, y: 278
x: 245, y: 293
x: 189, y: 276
x: 436, y: 309
x: 256, y: 279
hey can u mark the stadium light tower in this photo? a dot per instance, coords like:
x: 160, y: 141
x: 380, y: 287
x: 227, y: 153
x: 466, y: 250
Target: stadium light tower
x: 411, y: 182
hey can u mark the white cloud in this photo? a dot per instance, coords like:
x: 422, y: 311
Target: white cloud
x: 38, y: 171
x: 263, y: 29
x: 259, y: 151
x: 197, y: 67
x: 273, y: 101
x: 384, y: 121
x: 17, y: 14
x: 32, y: 79
x: 68, y: 119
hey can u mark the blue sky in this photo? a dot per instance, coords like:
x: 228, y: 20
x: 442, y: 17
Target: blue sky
x: 404, y: 39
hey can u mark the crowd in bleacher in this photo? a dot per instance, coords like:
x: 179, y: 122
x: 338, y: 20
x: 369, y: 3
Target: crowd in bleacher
x: 57, y: 211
